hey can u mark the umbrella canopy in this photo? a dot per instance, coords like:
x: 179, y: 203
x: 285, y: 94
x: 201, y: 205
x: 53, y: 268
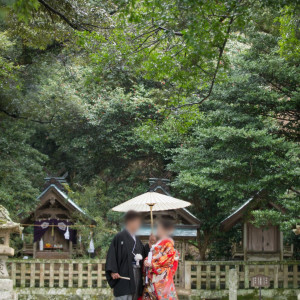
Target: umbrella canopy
x: 151, y: 199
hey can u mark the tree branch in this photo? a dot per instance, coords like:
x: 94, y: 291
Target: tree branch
x: 16, y: 116
x: 165, y: 29
x: 221, y: 51
x: 294, y: 190
x: 62, y: 16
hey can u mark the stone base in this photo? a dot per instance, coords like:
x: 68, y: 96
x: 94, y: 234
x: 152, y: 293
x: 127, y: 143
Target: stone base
x: 8, y: 296
x: 64, y: 293
x: 6, y: 250
x: 6, y: 290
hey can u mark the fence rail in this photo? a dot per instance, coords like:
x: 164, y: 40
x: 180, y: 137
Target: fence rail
x: 215, y: 275
x: 58, y: 273
x: 191, y: 275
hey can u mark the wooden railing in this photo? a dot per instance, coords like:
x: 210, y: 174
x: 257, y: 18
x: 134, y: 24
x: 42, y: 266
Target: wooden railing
x: 191, y: 275
x: 215, y: 275
x: 58, y: 273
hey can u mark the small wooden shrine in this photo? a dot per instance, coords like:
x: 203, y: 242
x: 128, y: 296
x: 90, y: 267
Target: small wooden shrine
x: 258, y: 243
x: 186, y: 224
x: 52, y: 220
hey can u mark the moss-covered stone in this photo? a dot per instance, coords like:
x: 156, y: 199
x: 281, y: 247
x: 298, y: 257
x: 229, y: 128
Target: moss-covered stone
x: 269, y: 294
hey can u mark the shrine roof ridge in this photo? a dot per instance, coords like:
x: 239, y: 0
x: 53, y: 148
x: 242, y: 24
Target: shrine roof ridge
x: 64, y: 195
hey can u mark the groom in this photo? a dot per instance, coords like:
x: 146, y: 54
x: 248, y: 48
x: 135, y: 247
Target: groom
x: 125, y: 259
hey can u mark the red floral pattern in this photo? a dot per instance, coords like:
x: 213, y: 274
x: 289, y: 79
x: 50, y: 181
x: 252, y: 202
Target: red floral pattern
x: 160, y: 275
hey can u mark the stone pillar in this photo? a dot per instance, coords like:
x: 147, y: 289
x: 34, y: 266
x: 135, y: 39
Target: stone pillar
x: 6, y: 284
x: 7, y: 226
x: 298, y: 296
x: 3, y: 269
x: 233, y: 284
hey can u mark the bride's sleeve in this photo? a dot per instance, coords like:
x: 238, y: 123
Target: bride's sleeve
x: 164, y: 259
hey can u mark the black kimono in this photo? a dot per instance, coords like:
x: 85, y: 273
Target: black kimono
x: 120, y: 260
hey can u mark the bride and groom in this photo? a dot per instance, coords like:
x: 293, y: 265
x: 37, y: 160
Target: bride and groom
x: 128, y: 261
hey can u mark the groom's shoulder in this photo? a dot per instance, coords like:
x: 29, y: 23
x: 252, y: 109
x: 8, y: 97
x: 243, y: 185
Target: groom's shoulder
x: 115, y: 240
x: 119, y: 234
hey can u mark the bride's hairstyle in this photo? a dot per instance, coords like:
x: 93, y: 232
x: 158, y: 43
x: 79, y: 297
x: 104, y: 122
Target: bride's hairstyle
x: 166, y: 224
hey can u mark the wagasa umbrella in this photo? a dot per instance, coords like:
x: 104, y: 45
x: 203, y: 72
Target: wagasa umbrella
x: 151, y: 201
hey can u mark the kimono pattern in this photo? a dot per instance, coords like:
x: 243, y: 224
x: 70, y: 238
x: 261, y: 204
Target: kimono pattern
x: 160, y: 276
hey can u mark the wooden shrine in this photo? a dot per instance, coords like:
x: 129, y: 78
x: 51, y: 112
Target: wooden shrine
x: 186, y: 224
x: 258, y: 243
x: 52, y: 220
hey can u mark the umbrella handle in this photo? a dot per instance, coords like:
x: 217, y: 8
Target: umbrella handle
x: 151, y: 215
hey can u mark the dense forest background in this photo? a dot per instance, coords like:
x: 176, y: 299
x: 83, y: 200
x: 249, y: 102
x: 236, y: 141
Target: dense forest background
x: 205, y: 93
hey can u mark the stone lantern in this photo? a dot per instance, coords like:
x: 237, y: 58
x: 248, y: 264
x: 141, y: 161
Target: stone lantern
x: 7, y: 226
x: 297, y: 230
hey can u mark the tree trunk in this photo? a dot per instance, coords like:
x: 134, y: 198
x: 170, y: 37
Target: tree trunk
x: 203, y: 243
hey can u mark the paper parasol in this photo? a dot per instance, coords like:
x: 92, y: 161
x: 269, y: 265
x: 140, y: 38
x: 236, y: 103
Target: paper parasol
x: 151, y: 201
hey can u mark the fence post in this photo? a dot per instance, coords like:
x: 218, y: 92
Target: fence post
x: 99, y: 275
x: 70, y: 281
x: 187, y: 275
x: 80, y: 275
x: 276, y: 276
x: 51, y: 275
x: 217, y: 277
x: 226, y: 277
x: 246, y: 277
x: 61, y: 275
x: 23, y: 274
x: 233, y: 284
x: 32, y: 275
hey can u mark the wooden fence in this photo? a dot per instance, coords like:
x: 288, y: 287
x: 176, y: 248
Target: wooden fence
x: 58, y: 273
x: 214, y: 275
x: 192, y: 278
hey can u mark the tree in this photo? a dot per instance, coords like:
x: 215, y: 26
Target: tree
x: 21, y: 167
x: 115, y: 92
x: 238, y: 145
x: 227, y: 160
x: 179, y: 44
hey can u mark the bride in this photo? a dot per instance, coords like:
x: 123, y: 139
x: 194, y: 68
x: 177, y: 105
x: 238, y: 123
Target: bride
x: 161, y: 265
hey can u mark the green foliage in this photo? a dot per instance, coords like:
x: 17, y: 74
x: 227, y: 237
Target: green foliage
x: 24, y: 8
x: 115, y: 92
x: 8, y: 69
x: 21, y: 167
x: 289, y: 43
x: 241, y: 142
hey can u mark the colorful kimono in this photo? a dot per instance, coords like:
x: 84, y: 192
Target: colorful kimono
x: 160, y: 276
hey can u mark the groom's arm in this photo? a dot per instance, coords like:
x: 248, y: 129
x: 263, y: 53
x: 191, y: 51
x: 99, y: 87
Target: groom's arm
x: 111, y: 266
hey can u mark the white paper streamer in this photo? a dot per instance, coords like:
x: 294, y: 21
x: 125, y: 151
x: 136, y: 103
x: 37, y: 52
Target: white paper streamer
x: 67, y: 234
x: 41, y: 244
x: 91, y: 246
